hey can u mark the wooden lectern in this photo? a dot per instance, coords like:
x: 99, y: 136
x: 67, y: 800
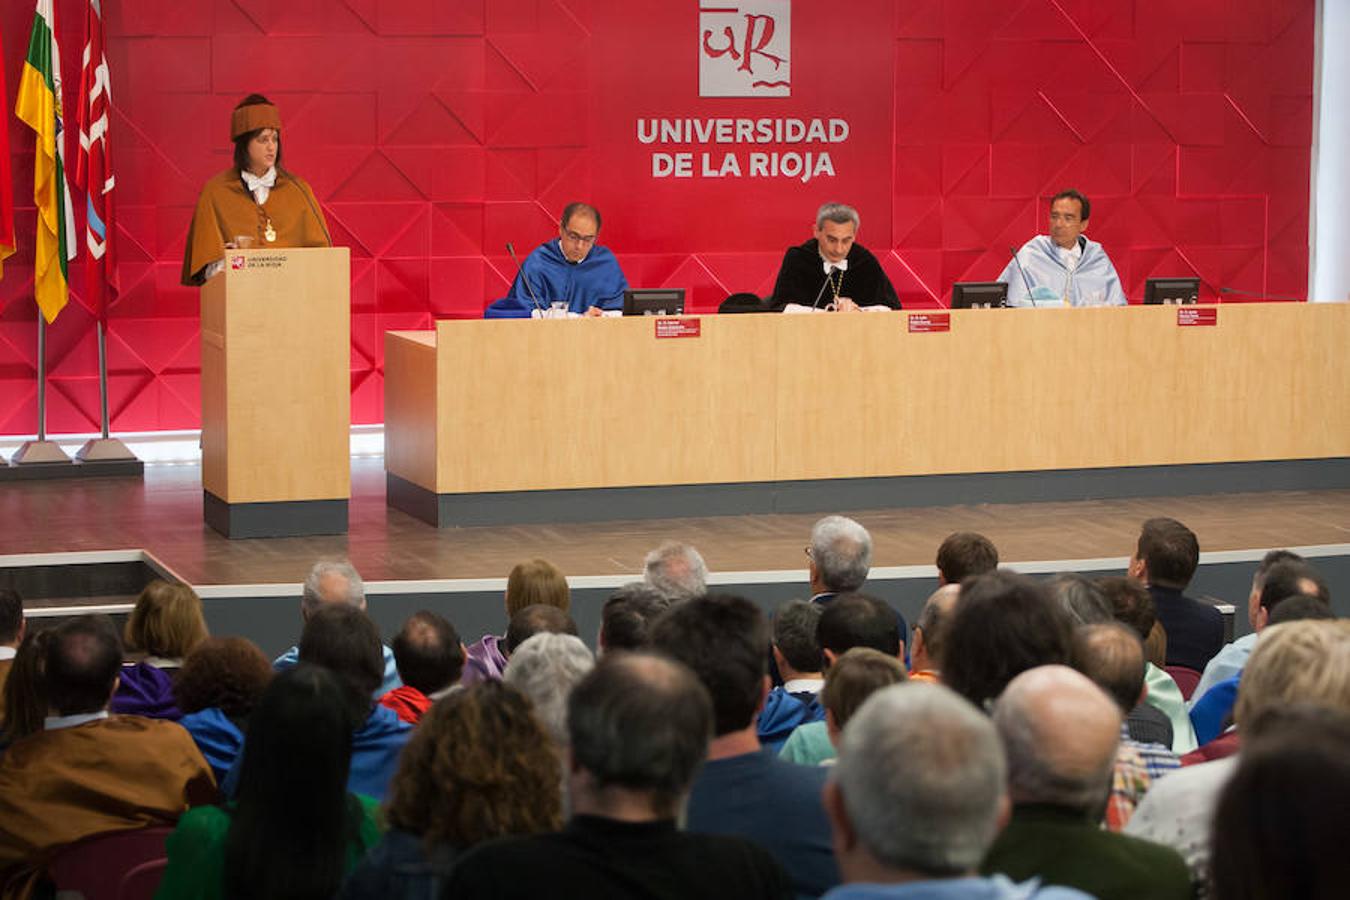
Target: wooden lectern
x: 276, y: 393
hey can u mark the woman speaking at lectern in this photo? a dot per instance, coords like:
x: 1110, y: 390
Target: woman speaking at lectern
x: 255, y: 203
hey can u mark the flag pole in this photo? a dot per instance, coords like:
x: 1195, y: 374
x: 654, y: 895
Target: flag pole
x: 40, y: 451
x: 105, y: 447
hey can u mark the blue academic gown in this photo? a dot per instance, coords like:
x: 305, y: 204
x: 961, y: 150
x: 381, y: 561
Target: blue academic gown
x: 1093, y: 283
x: 595, y: 281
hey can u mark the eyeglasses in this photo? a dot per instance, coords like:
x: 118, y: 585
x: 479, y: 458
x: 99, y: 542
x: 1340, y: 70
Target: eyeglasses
x: 580, y: 238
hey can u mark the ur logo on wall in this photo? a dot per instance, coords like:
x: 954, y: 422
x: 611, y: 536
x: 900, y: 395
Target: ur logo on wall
x: 744, y: 48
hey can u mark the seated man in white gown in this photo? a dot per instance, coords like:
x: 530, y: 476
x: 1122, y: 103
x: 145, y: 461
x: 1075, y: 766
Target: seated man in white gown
x: 1063, y: 268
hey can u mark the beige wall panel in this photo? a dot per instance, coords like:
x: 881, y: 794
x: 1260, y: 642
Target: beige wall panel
x: 410, y: 406
x: 591, y: 403
x: 287, y: 383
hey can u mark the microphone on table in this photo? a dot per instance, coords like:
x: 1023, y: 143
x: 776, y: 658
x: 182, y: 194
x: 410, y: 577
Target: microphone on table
x: 1031, y: 295
x: 521, y: 273
x: 829, y: 273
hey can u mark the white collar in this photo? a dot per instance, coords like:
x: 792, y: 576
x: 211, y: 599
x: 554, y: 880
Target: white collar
x: 807, y: 685
x: 8, y: 652
x: 267, y: 179
x: 56, y: 723
x: 826, y: 265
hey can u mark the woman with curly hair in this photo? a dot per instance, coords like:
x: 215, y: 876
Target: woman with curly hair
x: 164, y: 627
x: 479, y: 766
x: 216, y: 689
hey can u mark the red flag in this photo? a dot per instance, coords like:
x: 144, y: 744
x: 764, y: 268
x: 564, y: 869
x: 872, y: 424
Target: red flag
x: 6, y: 189
x: 93, y: 170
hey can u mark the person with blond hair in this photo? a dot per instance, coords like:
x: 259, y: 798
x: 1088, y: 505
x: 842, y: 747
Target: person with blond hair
x: 1305, y: 662
x: 536, y: 582
x: 164, y: 627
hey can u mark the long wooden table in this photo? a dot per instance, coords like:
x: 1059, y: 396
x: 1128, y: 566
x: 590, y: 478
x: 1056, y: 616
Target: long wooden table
x: 480, y: 407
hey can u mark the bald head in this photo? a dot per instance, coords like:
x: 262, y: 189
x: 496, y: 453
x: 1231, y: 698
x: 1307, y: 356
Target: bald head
x: 1060, y: 732
x: 926, y: 654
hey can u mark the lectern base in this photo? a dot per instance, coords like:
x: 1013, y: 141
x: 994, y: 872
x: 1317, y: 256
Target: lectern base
x: 291, y: 518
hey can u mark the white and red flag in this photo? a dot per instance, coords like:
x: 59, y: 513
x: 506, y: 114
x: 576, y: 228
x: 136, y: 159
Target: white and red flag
x: 93, y: 170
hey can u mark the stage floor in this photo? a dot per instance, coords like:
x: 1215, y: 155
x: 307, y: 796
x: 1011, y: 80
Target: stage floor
x: 163, y: 515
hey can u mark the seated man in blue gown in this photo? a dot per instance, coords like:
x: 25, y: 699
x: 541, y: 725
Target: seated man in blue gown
x: 1063, y: 268
x: 573, y: 270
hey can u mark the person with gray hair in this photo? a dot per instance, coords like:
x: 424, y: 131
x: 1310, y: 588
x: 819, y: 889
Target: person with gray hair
x: 638, y: 727
x: 676, y: 571
x: 916, y: 799
x: 832, y: 271
x: 545, y: 668
x: 1060, y: 733
x: 840, y: 557
x: 337, y: 581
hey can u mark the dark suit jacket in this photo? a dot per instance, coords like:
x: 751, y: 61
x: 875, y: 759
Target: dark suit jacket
x: 1061, y: 846
x: 1194, y: 629
x: 802, y: 275
x: 1149, y: 725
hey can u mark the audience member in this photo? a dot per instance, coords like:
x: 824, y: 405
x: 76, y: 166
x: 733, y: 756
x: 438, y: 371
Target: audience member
x: 797, y: 655
x: 1060, y: 732
x: 840, y: 557
x: 965, y: 553
x: 337, y: 582
x: 1081, y: 598
x: 430, y: 660
x: 1113, y: 657
x: 25, y: 695
x: 533, y: 583
x: 219, y: 685
x: 1233, y: 656
x: 163, y: 628
x: 744, y: 790
x: 925, y: 654
x: 854, y: 677
x: 537, y: 619
x: 1283, y: 817
x: 12, y: 627
x: 294, y: 831
x: 850, y: 620
x: 88, y: 772
x: 1133, y: 607
x: 638, y: 726
x: 1004, y: 624
x: 545, y: 668
x: 345, y: 641
x: 916, y: 800
x: 1165, y: 559
x: 676, y: 571
x: 1211, y: 712
x: 478, y: 767
x: 627, y: 617
x: 1298, y: 662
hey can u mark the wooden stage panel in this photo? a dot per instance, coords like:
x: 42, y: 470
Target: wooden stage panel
x: 549, y: 405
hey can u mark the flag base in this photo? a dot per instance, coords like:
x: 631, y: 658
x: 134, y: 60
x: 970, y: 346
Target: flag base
x: 36, y: 453
x: 100, y: 449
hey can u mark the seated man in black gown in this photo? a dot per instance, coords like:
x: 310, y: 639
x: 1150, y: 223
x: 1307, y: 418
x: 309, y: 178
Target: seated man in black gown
x: 831, y: 271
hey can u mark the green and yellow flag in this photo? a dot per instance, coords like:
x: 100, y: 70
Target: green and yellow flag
x: 39, y: 107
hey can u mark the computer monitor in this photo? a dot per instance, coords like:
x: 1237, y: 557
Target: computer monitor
x: 1172, y: 290
x: 653, y: 302
x: 979, y: 294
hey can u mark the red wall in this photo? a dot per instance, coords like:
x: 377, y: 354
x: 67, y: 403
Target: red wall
x: 435, y: 131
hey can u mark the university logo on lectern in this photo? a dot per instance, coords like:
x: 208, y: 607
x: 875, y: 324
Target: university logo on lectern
x: 744, y: 48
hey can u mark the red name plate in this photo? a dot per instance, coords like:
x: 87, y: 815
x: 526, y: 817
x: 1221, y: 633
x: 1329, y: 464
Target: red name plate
x: 1197, y: 315
x: 678, y: 328
x: 928, y: 323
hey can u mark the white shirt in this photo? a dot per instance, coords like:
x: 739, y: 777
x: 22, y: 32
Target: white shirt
x: 8, y: 652
x: 804, y: 685
x: 826, y: 265
x: 1073, y: 255
x: 260, y: 185
x: 55, y: 723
